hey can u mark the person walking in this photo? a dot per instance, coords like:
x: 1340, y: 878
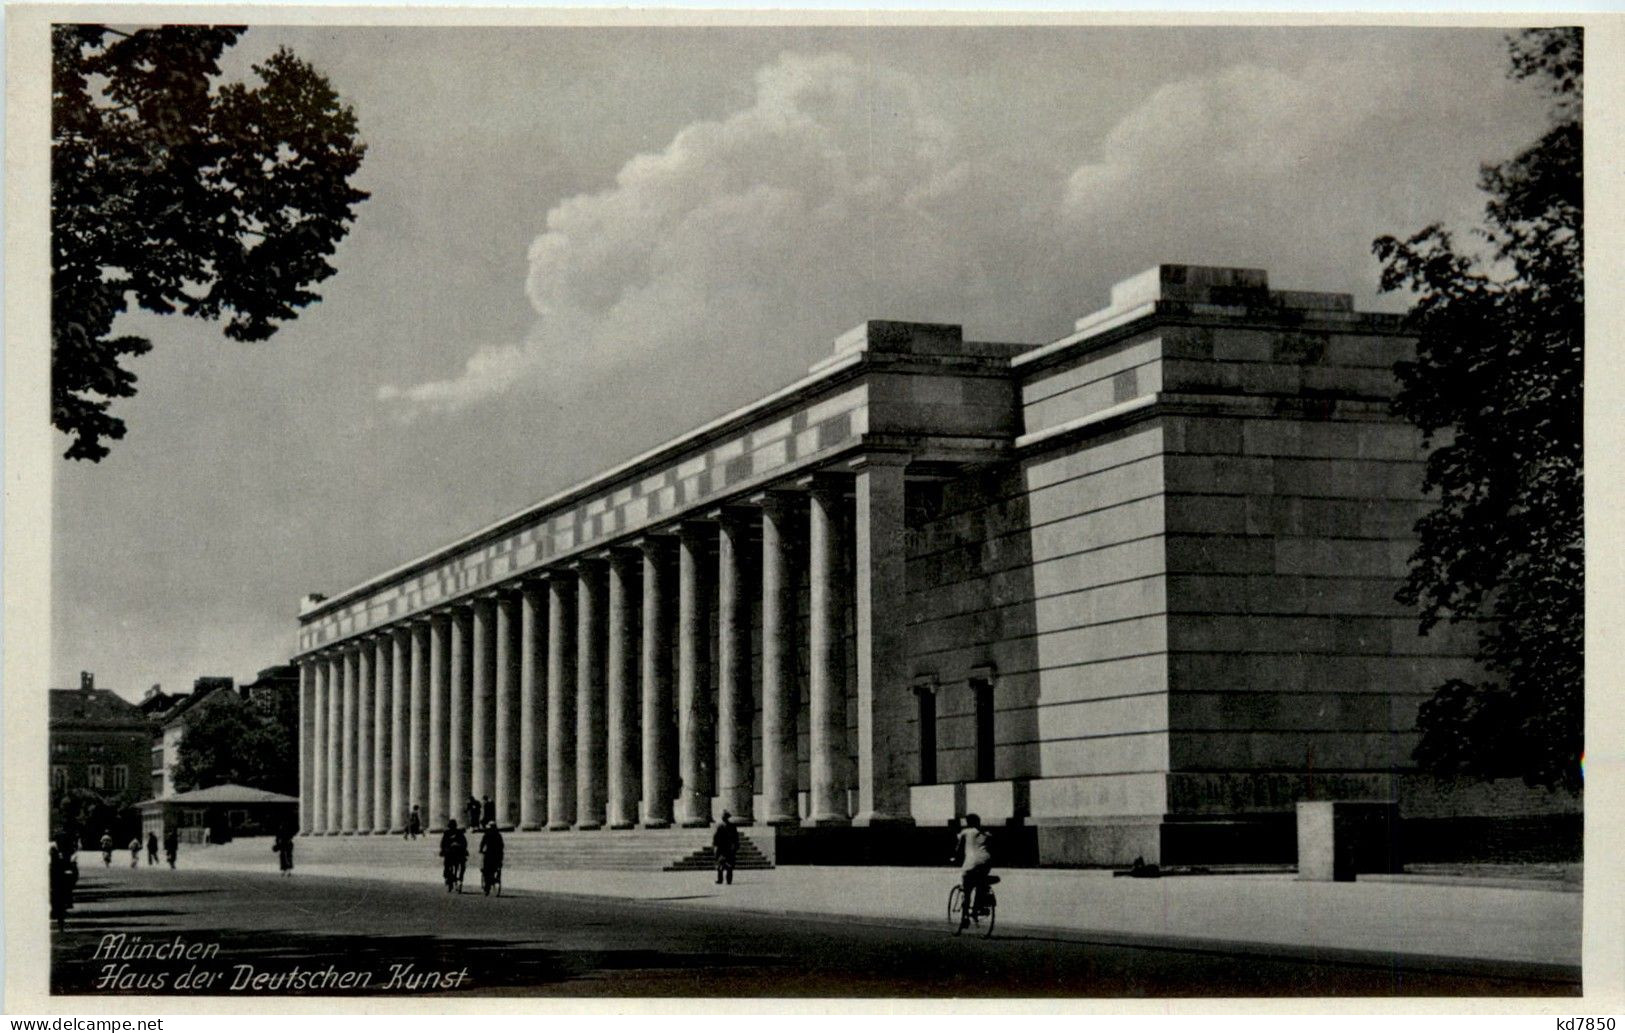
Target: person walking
x: 491, y: 848
x: 152, y: 849
x: 488, y: 812
x: 472, y: 810
x: 284, y: 850
x: 107, y: 849
x: 135, y: 852
x: 172, y: 845
x: 64, y: 875
x: 414, y: 824
x: 726, y: 843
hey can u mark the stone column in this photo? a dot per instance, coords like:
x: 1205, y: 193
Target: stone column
x: 347, y: 772
x: 417, y: 774
x: 335, y: 741
x: 307, y: 741
x: 885, y: 702
x: 318, y: 747
x: 696, y: 745
x: 622, y: 691
x: 363, y: 736
x: 780, y: 700
x: 826, y: 659
x: 400, y: 665
x: 483, y: 713
x: 439, y: 805
x: 533, y: 705
x: 591, y: 745
x: 658, y: 752
x: 457, y: 723
x: 735, y: 705
x: 561, y: 701
x: 505, y: 784
x: 383, y: 745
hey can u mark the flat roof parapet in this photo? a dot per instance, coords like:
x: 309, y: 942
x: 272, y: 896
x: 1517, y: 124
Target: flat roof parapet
x: 1200, y: 287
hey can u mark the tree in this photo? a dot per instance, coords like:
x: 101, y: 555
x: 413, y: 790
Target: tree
x: 230, y: 741
x: 1496, y: 389
x: 184, y: 193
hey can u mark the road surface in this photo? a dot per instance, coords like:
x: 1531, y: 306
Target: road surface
x: 317, y: 935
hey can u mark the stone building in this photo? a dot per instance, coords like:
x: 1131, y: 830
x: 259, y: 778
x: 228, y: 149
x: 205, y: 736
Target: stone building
x: 98, y: 746
x: 1128, y: 593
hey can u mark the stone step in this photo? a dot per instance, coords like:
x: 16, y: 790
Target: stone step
x: 615, y: 849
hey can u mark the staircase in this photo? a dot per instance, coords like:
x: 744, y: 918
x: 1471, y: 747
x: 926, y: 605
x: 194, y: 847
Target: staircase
x: 646, y: 850
x: 750, y: 857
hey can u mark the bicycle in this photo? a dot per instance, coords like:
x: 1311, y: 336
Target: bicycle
x: 453, y: 875
x: 491, y: 879
x: 982, y: 917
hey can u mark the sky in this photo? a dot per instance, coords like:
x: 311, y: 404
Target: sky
x: 582, y: 242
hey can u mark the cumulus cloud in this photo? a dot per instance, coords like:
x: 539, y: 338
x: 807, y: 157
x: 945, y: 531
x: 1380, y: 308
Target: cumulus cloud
x: 840, y: 192
x: 1294, y: 170
x: 831, y: 197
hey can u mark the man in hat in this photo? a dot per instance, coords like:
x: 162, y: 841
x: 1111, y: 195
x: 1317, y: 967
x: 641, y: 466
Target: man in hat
x: 726, y: 843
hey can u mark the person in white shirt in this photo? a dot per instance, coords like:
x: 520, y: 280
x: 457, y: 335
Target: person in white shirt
x: 975, y: 865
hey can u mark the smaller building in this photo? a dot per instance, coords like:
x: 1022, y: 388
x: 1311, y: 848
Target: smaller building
x: 274, y: 692
x: 171, y: 728
x: 219, y: 814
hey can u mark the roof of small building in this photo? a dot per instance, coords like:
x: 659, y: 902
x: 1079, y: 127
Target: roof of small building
x: 228, y: 793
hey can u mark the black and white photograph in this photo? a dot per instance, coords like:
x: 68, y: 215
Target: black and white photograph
x: 722, y: 507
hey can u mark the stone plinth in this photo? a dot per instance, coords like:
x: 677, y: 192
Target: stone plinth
x: 1339, y: 839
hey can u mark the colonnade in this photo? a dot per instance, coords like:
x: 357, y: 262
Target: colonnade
x: 554, y: 694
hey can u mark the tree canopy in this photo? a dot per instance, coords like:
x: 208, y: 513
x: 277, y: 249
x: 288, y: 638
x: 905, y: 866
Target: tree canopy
x: 1496, y: 389
x: 186, y: 193
x: 230, y: 741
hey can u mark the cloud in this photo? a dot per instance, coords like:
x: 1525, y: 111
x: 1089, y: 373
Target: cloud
x: 830, y: 197
x: 841, y: 192
x: 1293, y: 170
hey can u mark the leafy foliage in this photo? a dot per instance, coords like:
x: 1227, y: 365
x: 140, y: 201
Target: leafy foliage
x: 230, y: 741
x: 213, y: 200
x: 1497, y: 390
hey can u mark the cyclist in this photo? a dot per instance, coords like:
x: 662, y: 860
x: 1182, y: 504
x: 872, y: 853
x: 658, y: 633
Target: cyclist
x: 491, y: 847
x: 454, y: 848
x: 975, y: 865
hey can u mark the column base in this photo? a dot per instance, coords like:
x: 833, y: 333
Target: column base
x: 783, y: 821
x: 347, y: 832
x: 740, y: 823
x: 825, y: 821
x: 696, y: 823
x: 656, y: 825
x: 622, y: 826
x: 589, y: 826
x: 401, y: 831
x: 363, y: 832
x: 506, y: 828
x: 534, y: 826
x: 874, y: 818
x: 560, y: 826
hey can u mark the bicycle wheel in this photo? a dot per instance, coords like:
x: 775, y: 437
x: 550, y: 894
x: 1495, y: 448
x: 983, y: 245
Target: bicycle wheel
x: 499, y: 883
x: 955, y: 907
x: 987, y: 918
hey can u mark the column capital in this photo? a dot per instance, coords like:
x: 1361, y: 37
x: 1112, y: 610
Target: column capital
x: 825, y: 483
x: 732, y: 515
x: 873, y: 459
x: 588, y: 564
x: 656, y: 543
x: 776, y: 500
x: 924, y: 685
